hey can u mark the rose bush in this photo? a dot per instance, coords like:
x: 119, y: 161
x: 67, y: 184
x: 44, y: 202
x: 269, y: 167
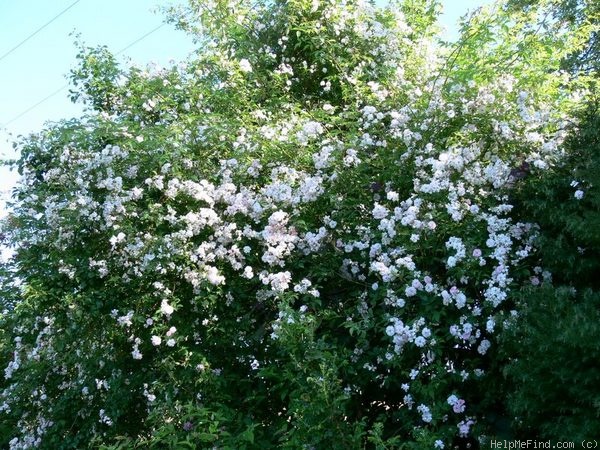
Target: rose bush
x: 299, y: 238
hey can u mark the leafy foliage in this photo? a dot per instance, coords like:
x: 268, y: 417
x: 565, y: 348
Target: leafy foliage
x: 554, y: 382
x: 583, y: 59
x: 554, y: 367
x: 300, y: 238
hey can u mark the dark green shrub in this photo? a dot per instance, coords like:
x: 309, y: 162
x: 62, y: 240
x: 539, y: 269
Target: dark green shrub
x: 553, y: 347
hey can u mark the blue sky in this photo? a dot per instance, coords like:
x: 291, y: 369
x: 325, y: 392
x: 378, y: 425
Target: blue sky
x: 38, y: 67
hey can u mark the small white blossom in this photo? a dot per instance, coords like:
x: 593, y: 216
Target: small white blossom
x: 245, y: 66
x: 420, y: 341
x: 165, y: 308
x: 425, y: 413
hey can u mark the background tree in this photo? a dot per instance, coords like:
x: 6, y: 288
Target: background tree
x: 579, y: 13
x: 552, y: 374
x: 552, y: 385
